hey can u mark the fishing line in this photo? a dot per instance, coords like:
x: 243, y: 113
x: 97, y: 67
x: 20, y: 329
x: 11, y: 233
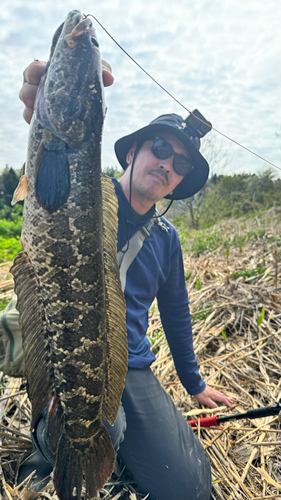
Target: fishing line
x: 176, y: 100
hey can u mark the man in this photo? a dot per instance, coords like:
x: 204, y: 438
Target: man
x: 151, y: 436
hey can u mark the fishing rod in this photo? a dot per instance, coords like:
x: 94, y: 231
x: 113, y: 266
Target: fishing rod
x: 266, y: 411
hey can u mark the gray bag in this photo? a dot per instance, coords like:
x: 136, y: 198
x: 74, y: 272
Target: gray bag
x: 11, y: 352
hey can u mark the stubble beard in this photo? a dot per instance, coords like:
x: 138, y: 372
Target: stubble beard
x: 145, y: 192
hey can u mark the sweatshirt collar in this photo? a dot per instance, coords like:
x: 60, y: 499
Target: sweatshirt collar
x: 127, y: 211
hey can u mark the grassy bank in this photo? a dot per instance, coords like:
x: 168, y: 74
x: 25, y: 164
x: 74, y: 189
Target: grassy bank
x: 10, y: 231
x: 264, y: 227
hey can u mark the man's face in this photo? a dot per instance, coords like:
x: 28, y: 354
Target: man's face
x: 153, y: 178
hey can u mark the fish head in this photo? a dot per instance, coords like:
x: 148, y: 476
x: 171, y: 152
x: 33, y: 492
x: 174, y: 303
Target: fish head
x: 70, y: 99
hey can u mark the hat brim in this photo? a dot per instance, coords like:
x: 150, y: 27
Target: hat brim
x: 191, y: 183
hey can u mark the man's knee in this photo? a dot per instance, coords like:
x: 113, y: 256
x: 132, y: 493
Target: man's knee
x: 195, y: 481
x: 189, y: 481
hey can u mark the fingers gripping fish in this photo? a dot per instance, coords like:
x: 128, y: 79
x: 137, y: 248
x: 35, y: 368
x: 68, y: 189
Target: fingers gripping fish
x: 72, y: 310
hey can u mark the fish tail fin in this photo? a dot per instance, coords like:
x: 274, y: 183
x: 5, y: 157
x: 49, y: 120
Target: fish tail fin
x: 94, y: 458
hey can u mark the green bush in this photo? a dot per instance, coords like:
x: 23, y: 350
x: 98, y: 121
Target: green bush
x: 207, y: 242
x: 9, y: 248
x: 199, y: 316
x: 4, y: 303
x: 10, y: 228
x: 247, y: 273
x: 11, y: 213
x: 240, y: 195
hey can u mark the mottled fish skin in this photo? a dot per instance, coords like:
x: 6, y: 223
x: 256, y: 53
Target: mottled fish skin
x: 66, y: 269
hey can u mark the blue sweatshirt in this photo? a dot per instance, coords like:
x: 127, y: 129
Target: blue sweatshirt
x: 157, y: 271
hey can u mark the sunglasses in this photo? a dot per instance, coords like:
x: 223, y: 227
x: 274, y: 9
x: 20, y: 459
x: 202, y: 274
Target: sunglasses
x: 163, y: 150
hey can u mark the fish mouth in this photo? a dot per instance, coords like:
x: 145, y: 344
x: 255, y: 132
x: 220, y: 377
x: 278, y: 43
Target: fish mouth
x: 82, y: 24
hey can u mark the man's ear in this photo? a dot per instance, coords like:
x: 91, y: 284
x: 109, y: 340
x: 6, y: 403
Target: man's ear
x: 131, y: 152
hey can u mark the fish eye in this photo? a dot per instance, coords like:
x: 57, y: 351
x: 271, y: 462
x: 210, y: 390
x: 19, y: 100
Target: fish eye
x: 94, y: 42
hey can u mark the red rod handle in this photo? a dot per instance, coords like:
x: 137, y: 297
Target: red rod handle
x: 205, y: 422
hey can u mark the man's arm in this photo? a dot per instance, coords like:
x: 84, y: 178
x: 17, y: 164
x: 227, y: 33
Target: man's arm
x: 176, y: 320
x: 31, y: 78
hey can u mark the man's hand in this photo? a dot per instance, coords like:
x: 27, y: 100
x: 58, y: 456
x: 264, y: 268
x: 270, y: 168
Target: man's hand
x: 31, y: 79
x: 209, y: 396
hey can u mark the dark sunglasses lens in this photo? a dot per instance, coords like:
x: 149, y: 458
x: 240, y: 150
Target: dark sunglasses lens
x: 162, y: 149
x: 181, y: 165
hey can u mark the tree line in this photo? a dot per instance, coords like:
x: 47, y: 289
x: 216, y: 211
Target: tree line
x: 9, y: 179
x: 223, y: 196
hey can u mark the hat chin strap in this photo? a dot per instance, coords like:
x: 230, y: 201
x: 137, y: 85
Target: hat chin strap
x: 163, y: 213
x: 124, y: 250
x: 131, y: 179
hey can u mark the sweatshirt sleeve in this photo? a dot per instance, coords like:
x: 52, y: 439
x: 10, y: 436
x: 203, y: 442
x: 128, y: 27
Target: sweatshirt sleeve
x: 176, y: 320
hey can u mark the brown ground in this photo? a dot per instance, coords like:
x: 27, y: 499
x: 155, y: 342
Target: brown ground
x: 238, y: 351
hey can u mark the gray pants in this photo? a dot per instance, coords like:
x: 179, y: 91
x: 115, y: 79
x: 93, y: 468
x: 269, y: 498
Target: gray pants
x: 155, y: 443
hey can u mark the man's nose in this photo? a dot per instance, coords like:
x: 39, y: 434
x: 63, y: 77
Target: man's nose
x: 167, y: 164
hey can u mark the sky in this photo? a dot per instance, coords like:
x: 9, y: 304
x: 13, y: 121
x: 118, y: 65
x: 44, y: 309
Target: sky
x: 222, y: 57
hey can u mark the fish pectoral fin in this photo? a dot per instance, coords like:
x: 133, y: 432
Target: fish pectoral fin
x: 94, y: 457
x: 21, y: 190
x: 52, y: 184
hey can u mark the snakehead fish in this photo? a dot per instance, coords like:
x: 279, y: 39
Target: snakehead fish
x: 72, y: 310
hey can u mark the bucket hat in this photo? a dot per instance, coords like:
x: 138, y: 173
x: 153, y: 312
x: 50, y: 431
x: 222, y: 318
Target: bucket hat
x: 188, y: 134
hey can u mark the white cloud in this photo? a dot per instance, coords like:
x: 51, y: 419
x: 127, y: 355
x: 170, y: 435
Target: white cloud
x: 221, y: 57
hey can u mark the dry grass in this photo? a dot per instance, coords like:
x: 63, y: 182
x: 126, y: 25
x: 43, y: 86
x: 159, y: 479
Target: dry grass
x: 238, y: 352
x: 243, y: 362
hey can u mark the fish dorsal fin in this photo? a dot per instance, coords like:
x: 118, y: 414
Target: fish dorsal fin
x: 30, y: 306
x: 117, y: 345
